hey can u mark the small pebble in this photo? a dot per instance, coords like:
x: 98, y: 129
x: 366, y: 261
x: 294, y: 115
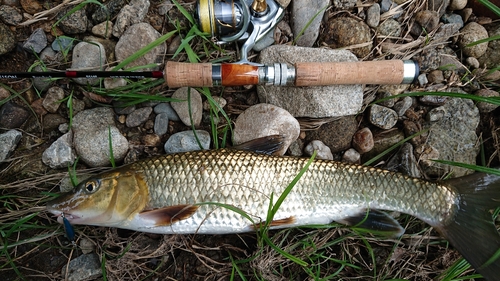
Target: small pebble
x: 62, y: 43
x: 104, y: 29
x: 53, y: 98
x: 295, y: 148
x: 389, y: 27
x: 485, y: 107
x: 8, y: 143
x: 470, y: 33
x: 323, y: 151
x: 436, y: 114
x: 12, y: 115
x: 10, y: 15
x: 457, y: 5
x: 220, y: 103
x: 402, y: 106
x: 36, y: 42
x: 186, y: 141
x: 151, y: 140
x: 84, y: 267
x: 167, y: 108
x: 433, y: 100
x: 435, y: 76
x: 87, y: 246
x: 161, y: 124
x: 60, y: 153
x: 383, y: 117
x: 362, y: 140
x: 138, y: 116
x: 472, y: 62
x: 373, y: 15
x: 351, y: 156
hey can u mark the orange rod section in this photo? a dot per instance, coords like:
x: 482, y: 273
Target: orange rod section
x: 239, y: 74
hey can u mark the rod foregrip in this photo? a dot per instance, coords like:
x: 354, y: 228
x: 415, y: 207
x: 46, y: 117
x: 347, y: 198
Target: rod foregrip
x: 364, y: 72
x: 178, y: 74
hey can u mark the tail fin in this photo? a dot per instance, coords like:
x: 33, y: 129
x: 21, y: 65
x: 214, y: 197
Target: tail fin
x: 473, y: 232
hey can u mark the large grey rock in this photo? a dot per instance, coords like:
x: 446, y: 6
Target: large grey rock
x: 451, y: 137
x: 135, y: 38
x: 316, y: 102
x: 60, y: 153
x: 263, y: 120
x: 92, y: 131
x: 8, y: 142
x: 89, y: 56
x: 186, y: 141
x: 307, y: 13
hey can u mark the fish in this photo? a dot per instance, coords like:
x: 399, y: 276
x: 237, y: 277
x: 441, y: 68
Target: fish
x: 231, y: 190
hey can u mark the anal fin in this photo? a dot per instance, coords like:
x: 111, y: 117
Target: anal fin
x: 376, y: 222
x: 169, y: 215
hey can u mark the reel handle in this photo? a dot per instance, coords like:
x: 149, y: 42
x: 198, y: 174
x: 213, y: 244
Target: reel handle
x: 303, y: 74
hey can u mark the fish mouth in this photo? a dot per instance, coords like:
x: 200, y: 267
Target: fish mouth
x: 60, y: 215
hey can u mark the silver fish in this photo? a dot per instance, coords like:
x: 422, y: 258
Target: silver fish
x: 230, y: 190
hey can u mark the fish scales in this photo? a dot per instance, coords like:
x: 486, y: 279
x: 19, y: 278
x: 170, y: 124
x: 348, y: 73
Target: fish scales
x: 328, y: 191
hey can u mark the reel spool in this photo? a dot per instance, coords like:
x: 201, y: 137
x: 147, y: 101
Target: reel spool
x: 228, y: 20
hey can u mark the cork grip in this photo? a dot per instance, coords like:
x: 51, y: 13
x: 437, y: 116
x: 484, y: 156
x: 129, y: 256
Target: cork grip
x: 179, y: 74
x: 335, y: 73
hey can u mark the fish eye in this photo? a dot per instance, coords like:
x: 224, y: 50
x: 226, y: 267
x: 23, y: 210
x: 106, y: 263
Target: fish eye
x: 91, y: 186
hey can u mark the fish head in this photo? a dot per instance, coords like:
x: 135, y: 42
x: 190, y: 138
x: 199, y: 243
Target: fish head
x: 104, y: 200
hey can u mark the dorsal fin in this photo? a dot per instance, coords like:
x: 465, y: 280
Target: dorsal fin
x: 375, y: 222
x: 169, y: 215
x: 265, y: 145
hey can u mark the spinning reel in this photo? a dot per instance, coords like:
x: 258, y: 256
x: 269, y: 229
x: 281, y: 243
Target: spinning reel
x: 238, y: 20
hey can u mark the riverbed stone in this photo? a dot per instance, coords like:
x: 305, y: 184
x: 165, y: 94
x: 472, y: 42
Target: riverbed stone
x: 60, y: 153
x: 8, y: 142
x: 186, y: 141
x: 317, y: 101
x: 307, y: 13
x: 89, y: 56
x: 187, y: 111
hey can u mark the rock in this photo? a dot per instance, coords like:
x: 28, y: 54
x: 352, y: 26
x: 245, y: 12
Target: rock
x: 186, y: 141
x: 49, y: 56
x: 4, y: 93
x: 373, y: 15
x: 344, y: 4
x: 161, y: 124
x: 263, y: 120
x: 453, y: 19
x: 422, y: 79
x: 10, y: 15
x: 382, y: 142
x: 36, y: 42
x: 52, y: 122
x: 435, y: 76
x: 182, y: 108
x: 52, y: 99
x: 425, y: 22
x: 220, y: 102
x: 362, y: 140
x: 151, y: 140
x: 7, y: 39
x: 92, y: 130
x: 104, y: 29
x: 491, y: 57
x: 296, y: 147
x: 135, y: 38
x: 63, y: 44
x: 485, y: 107
x: 283, y: 3
x: 453, y: 138
x: 167, y: 108
x: 389, y: 27
x: 404, y: 162
x: 323, y: 151
x: 386, y: 5
x: 12, y: 115
x: 264, y: 42
x: 382, y: 117
x: 8, y: 143
x: 303, y: 15
x: 457, y: 5
x: 446, y: 31
x: 31, y: 6
x: 120, y: 108
x: 351, y: 156
x: 91, y: 56
x: 438, y: 6
x: 87, y: 246
x: 60, y: 154
x: 74, y: 23
x: 107, y: 11
x: 346, y: 31
x: 337, y: 135
x: 41, y: 84
x: 130, y: 14
x: 84, y: 267
x: 316, y: 102
x: 472, y: 62
x: 473, y: 32
x: 433, y: 100
x: 138, y: 116
x: 402, y: 106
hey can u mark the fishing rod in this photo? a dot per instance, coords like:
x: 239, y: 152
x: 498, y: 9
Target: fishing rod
x: 249, y: 21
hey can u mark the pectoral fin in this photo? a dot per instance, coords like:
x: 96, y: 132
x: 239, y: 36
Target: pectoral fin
x: 376, y: 222
x: 277, y: 223
x: 169, y: 215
